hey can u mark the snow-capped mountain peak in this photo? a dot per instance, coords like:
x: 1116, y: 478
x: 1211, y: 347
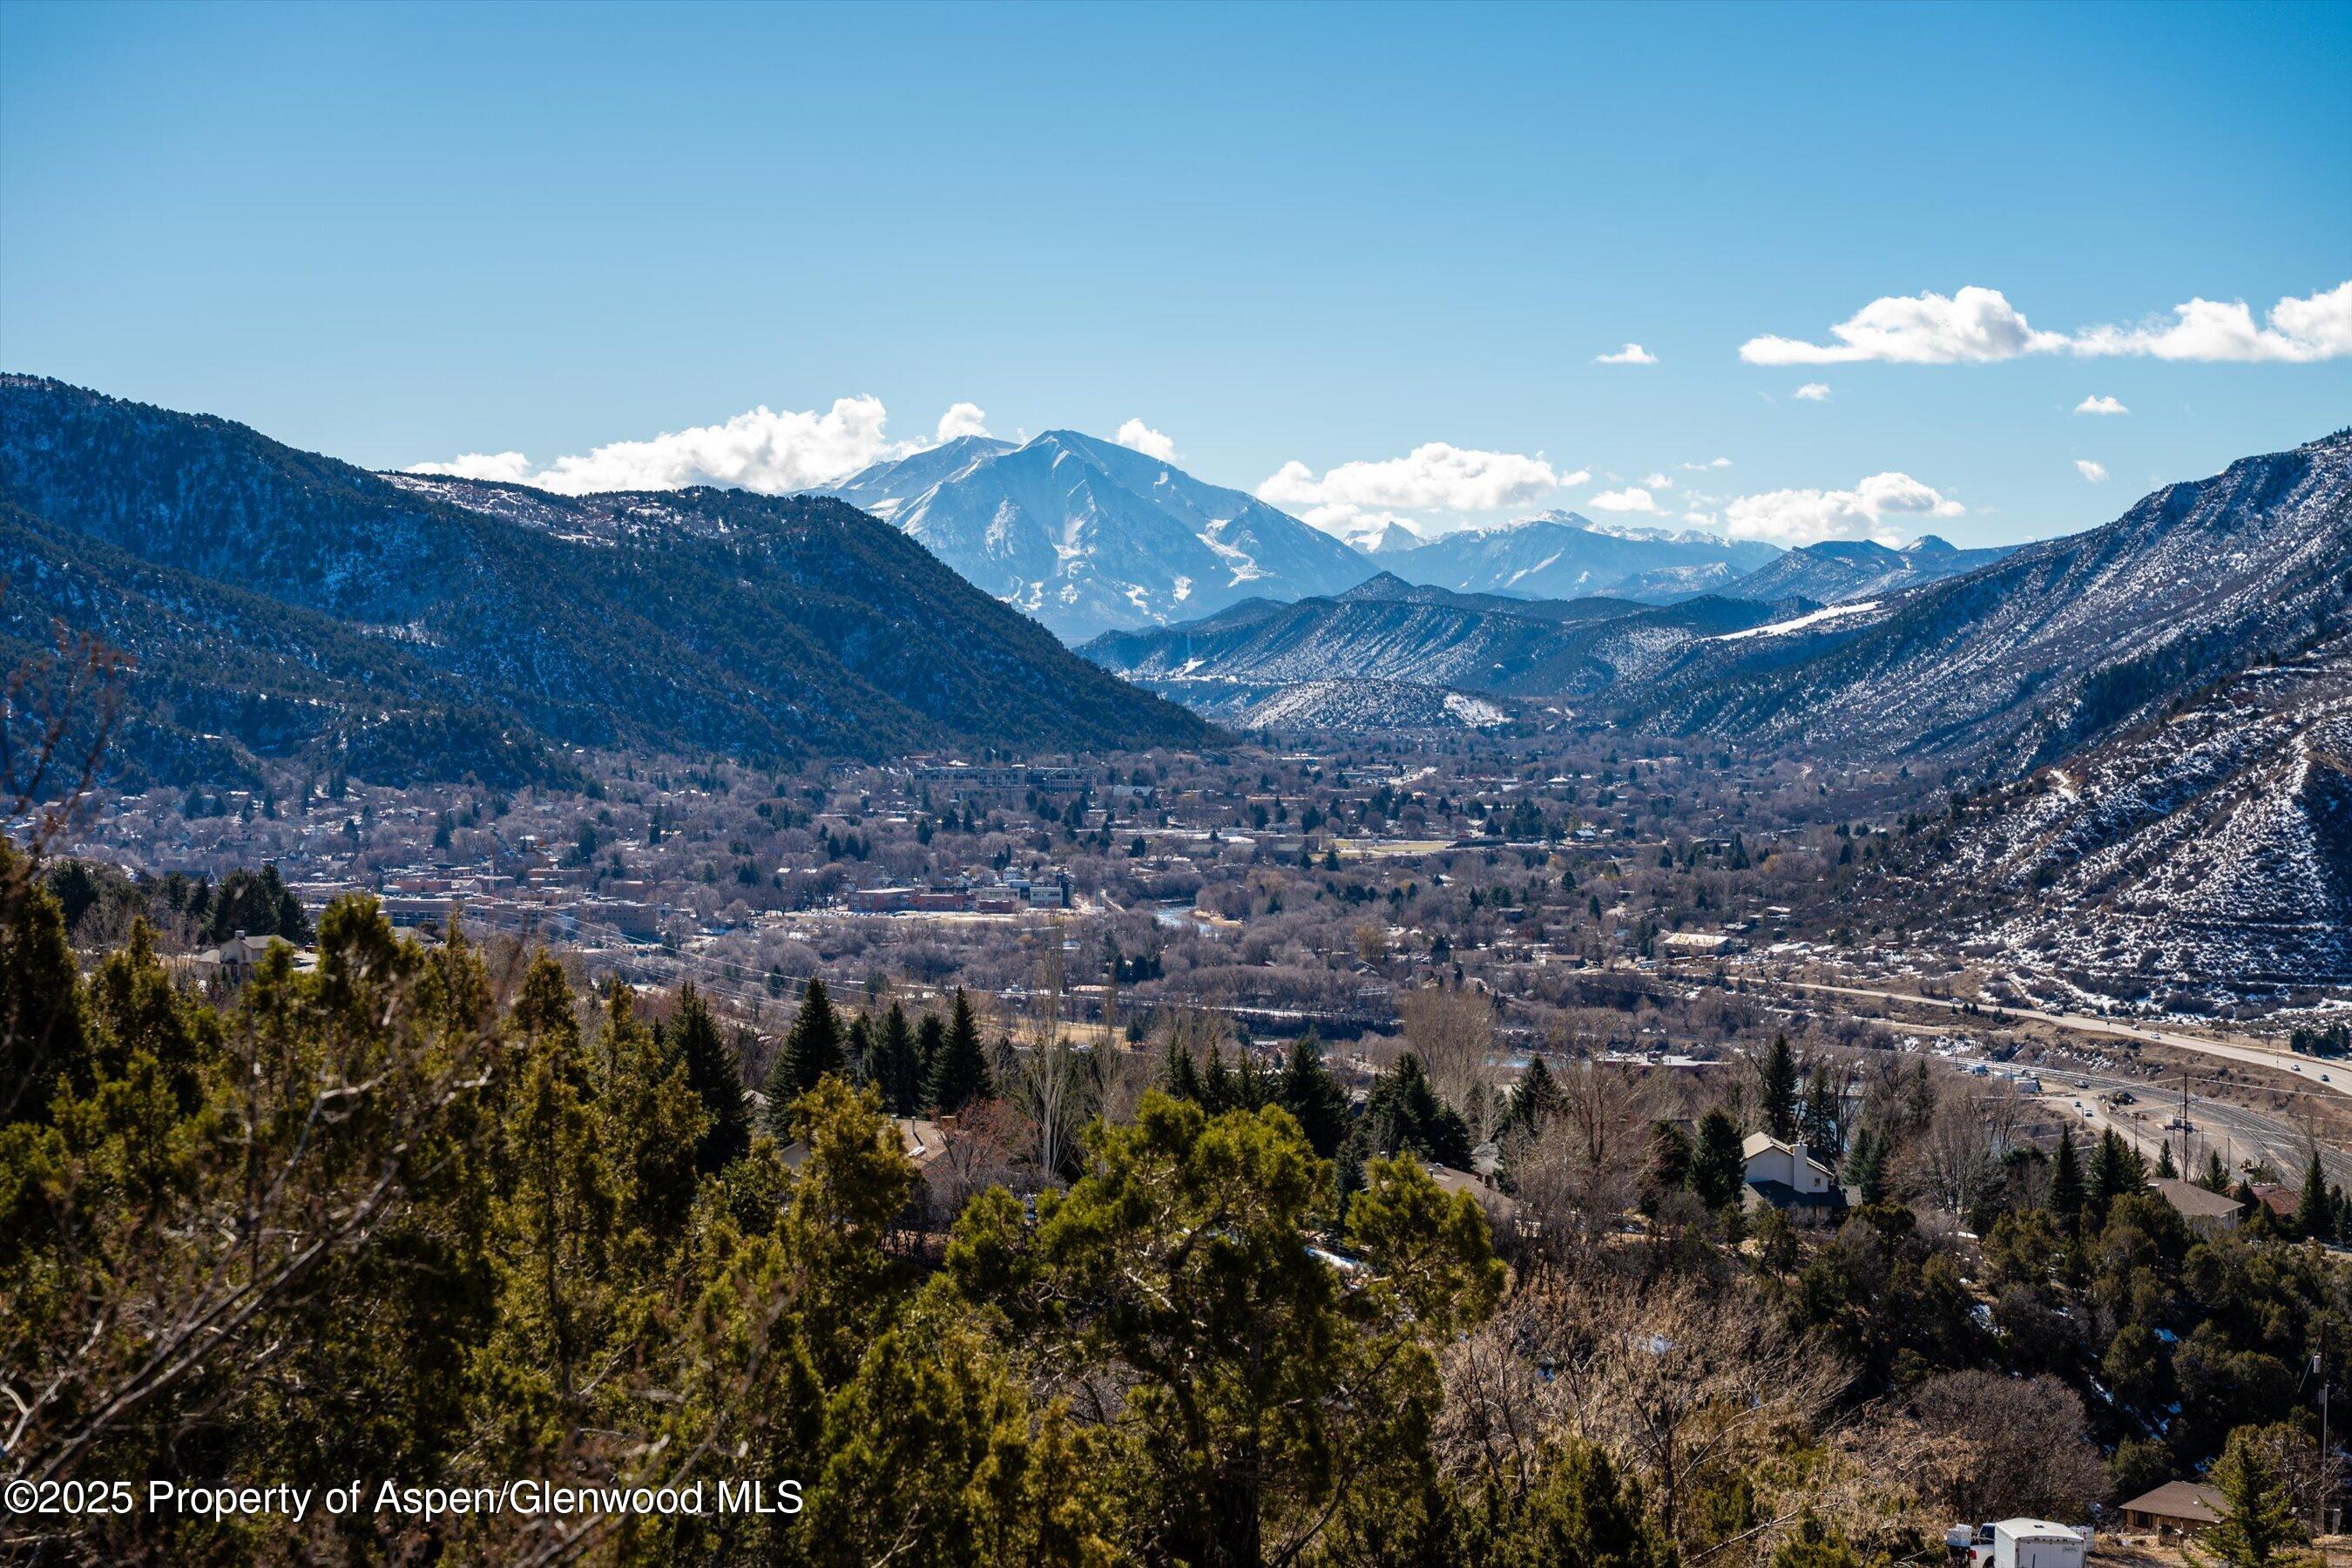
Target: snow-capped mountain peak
x: 1088, y: 535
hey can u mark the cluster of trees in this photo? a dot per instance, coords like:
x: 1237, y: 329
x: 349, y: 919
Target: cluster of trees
x: 934, y: 1066
x: 435, y: 1213
x: 99, y: 901
x: 421, y: 1216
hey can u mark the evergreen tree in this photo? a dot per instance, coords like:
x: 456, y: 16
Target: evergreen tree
x: 2067, y: 1183
x: 41, y: 1044
x: 1718, y: 1170
x: 930, y: 1045
x: 1776, y: 1090
x: 2216, y: 1178
x: 857, y: 1050
x: 2258, y: 1526
x: 715, y: 1077
x: 810, y: 1050
x: 2165, y: 1169
x: 1216, y: 1086
x: 1250, y: 1087
x: 1403, y: 1115
x: 1183, y: 1073
x: 896, y: 1063
x: 1818, y: 1118
x: 961, y: 1075
x: 1534, y: 1100
x: 1580, y: 1512
x: 1667, y: 1162
x: 2314, y: 1215
x: 655, y: 1127
x: 2117, y: 1170
x: 1312, y: 1092
x: 1865, y: 1167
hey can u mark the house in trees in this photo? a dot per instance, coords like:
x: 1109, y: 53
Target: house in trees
x: 1787, y: 1177
x: 2202, y: 1211
x: 2176, y: 1509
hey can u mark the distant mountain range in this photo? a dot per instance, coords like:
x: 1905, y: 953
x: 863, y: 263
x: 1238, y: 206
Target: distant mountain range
x: 2005, y: 659
x: 1838, y: 571
x: 1419, y: 640
x: 1087, y: 535
x: 285, y: 604
x: 1561, y: 555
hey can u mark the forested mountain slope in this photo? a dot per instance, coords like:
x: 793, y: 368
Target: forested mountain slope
x: 698, y: 620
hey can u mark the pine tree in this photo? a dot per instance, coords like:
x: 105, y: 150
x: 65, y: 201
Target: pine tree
x: 2216, y: 1178
x: 1668, y: 1158
x: 1778, y: 1090
x: 716, y: 1080
x: 810, y: 1050
x: 2315, y: 1214
x: 1404, y: 1114
x: 2165, y: 1169
x: 1534, y: 1100
x: 1312, y: 1093
x: 1818, y: 1119
x: 2117, y: 1170
x: 857, y: 1050
x: 655, y: 1127
x: 930, y: 1045
x: 2258, y: 1526
x: 1183, y: 1073
x: 2067, y: 1183
x: 896, y: 1066
x: 1718, y: 1170
x: 1216, y: 1087
x: 1865, y: 1167
x: 960, y: 1075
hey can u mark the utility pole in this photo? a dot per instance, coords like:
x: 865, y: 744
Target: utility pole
x: 2185, y: 1167
x: 2319, y: 1503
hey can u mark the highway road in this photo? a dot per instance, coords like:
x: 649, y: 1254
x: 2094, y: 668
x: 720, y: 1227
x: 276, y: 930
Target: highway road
x: 2334, y: 1078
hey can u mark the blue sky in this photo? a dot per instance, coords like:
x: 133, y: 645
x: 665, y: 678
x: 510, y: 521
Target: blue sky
x: 1313, y: 236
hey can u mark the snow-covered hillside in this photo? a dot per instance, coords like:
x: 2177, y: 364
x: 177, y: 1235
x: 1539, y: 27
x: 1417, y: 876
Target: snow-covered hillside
x: 2215, y: 842
x: 1561, y: 555
x: 1840, y: 569
x: 2052, y: 647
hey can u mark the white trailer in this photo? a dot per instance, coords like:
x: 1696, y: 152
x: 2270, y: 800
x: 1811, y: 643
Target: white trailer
x: 2020, y: 1543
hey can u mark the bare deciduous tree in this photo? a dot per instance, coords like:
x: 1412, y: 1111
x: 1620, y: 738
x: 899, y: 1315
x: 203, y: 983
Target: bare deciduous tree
x: 1451, y: 1029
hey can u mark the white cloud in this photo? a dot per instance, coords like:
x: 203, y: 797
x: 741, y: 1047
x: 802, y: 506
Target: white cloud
x: 2094, y: 472
x: 1632, y: 498
x: 1659, y: 482
x: 764, y: 450
x: 508, y: 468
x: 1710, y: 463
x: 1807, y: 517
x: 2318, y: 328
x: 1977, y: 325
x: 1631, y: 353
x: 2095, y: 404
x: 1135, y: 433
x: 1973, y: 324
x: 1813, y: 392
x: 963, y: 419
x: 1435, y: 476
